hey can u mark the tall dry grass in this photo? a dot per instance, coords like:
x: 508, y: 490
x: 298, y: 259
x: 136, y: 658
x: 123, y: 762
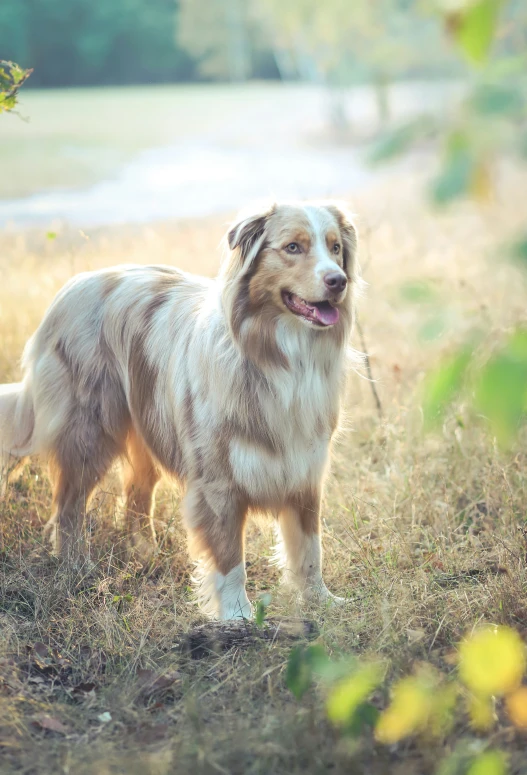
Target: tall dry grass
x: 423, y: 536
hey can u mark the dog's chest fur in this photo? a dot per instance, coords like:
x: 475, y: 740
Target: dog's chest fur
x: 272, y: 431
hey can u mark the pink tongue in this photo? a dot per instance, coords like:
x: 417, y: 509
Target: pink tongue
x: 326, y: 314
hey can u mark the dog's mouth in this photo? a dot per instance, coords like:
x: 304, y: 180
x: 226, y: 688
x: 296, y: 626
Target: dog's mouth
x: 320, y: 313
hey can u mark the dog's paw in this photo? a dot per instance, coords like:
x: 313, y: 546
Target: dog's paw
x: 321, y: 595
x: 237, y: 614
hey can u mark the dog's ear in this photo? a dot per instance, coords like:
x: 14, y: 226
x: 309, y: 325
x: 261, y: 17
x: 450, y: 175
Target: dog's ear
x: 247, y: 236
x: 349, y: 239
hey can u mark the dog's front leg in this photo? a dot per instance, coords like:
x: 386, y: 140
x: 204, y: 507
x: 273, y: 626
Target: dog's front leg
x: 215, y: 520
x: 301, y: 549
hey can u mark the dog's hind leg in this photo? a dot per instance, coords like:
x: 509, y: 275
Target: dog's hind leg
x: 79, y: 460
x: 215, y: 519
x: 141, y: 479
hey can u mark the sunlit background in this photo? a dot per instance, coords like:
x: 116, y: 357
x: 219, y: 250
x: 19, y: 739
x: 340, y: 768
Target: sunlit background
x: 144, y: 109
x: 143, y: 126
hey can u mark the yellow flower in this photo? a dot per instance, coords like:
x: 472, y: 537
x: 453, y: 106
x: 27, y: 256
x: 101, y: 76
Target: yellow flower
x: 409, y: 711
x: 517, y: 707
x: 492, y: 661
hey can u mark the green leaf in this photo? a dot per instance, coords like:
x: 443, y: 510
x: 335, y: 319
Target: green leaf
x: 519, y: 252
x: 474, y: 27
x: 501, y: 388
x: 433, y: 328
x: 302, y: 663
x: 456, y: 177
x: 419, y: 292
x: 497, y: 99
x: 488, y: 763
x: 399, y: 140
x: 261, y: 609
x: 442, y: 384
x: 351, y: 692
x: 11, y: 79
x: 366, y: 715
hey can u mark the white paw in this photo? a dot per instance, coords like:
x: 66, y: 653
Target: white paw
x: 321, y: 594
x: 240, y: 610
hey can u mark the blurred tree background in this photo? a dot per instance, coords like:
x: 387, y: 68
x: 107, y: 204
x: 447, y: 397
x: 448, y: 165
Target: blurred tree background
x: 338, y: 43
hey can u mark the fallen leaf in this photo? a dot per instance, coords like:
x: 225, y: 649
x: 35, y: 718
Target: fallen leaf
x: 50, y: 724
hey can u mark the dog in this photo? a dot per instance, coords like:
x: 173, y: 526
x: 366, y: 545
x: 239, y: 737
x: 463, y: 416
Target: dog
x: 231, y: 386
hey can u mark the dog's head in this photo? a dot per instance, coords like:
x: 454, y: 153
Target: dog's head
x: 294, y: 261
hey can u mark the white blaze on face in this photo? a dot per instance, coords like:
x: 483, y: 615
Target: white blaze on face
x: 321, y: 221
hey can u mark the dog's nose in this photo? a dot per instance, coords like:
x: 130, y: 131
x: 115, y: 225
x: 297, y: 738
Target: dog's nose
x: 335, y: 281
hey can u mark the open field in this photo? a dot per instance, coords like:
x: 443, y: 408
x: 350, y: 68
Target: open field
x: 76, y: 137
x: 422, y: 534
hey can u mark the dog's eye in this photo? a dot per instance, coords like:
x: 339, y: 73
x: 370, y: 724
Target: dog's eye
x: 293, y: 247
x: 336, y: 248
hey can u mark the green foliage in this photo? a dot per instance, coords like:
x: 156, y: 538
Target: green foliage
x: 427, y: 703
x: 261, y: 609
x: 496, y: 389
x: 465, y: 760
x: 457, y: 174
x: 12, y: 77
x: 303, y: 663
x: 442, y: 385
x: 391, y: 144
x: 488, y: 122
x: 473, y: 28
x: 500, y: 388
x: 227, y: 42
x: 338, y: 42
x: 519, y: 252
x: 419, y: 292
x: 489, y: 119
x: 347, y: 701
x: 491, y: 99
x: 80, y: 42
x: 488, y: 763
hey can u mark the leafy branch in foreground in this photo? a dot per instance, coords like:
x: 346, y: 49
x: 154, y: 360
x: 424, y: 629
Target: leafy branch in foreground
x: 12, y: 77
x: 425, y: 705
x: 489, y: 123
x: 491, y: 116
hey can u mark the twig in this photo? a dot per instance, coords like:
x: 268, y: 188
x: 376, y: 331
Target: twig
x: 368, y: 368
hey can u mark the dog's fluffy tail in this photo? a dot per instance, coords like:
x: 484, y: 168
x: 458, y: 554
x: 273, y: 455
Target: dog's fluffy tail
x: 17, y: 421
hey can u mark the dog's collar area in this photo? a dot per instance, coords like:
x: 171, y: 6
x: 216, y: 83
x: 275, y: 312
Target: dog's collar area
x: 320, y: 313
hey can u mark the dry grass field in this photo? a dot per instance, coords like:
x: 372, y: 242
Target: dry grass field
x: 422, y: 534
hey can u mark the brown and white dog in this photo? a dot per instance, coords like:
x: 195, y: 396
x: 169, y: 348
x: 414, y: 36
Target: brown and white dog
x: 232, y: 386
